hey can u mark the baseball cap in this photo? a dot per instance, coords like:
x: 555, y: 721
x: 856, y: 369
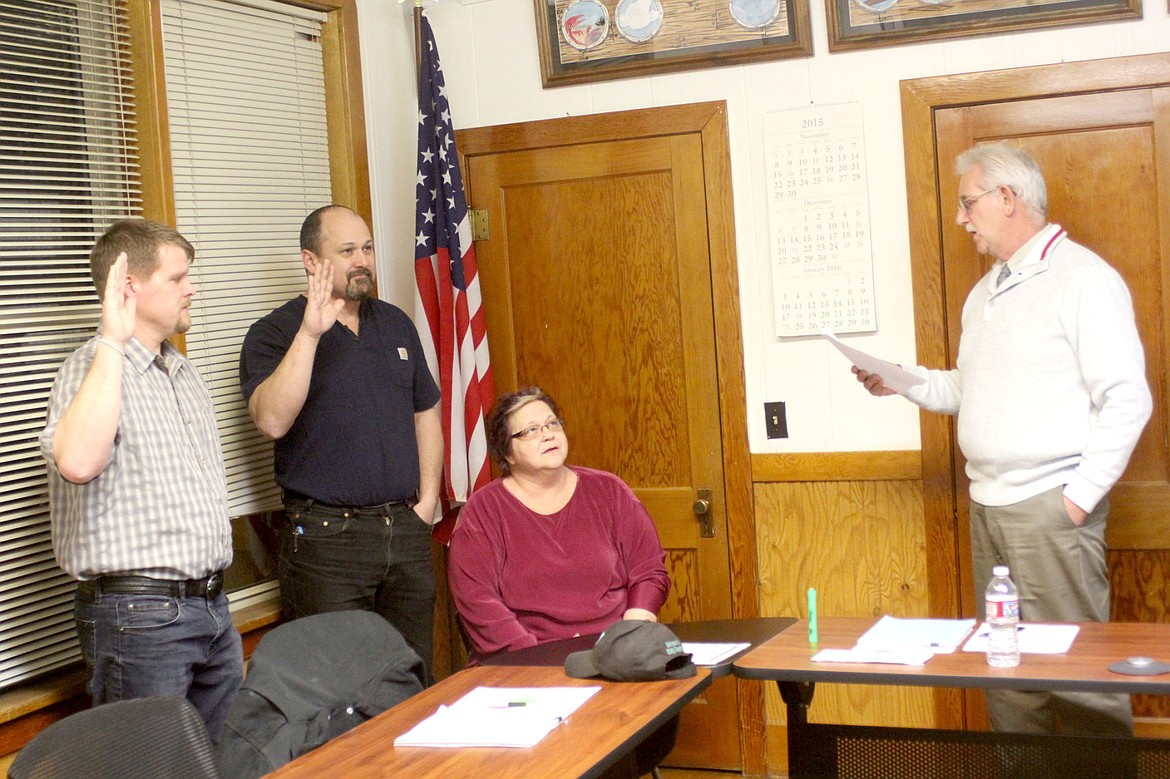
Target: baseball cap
x: 633, y: 651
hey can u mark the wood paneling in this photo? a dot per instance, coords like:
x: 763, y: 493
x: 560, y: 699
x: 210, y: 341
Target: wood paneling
x: 838, y: 466
x: 862, y: 545
x: 683, y: 603
x: 1139, y: 583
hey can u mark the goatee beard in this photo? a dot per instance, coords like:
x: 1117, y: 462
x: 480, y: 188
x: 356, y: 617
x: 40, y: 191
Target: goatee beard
x: 359, y: 287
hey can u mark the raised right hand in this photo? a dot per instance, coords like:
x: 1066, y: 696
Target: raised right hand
x: 119, y: 304
x: 322, y: 309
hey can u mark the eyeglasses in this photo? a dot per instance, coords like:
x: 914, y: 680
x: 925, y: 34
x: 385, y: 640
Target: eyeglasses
x: 528, y: 433
x: 966, y: 202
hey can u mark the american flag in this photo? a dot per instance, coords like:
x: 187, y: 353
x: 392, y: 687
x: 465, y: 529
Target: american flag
x: 447, y: 293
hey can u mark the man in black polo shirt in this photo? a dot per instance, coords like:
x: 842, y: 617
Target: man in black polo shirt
x: 339, y: 379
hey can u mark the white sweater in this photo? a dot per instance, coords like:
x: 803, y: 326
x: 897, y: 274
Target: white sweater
x: 1049, y: 386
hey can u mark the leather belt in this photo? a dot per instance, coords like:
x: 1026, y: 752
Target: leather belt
x: 309, y: 506
x: 208, y: 587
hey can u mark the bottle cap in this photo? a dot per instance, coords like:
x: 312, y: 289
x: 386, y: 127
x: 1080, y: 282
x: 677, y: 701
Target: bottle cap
x: 999, y: 570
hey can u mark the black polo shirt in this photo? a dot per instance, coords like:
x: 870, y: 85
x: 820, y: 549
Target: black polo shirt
x: 353, y: 443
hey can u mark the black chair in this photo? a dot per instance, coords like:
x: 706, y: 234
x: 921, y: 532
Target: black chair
x: 143, y: 738
x: 310, y: 680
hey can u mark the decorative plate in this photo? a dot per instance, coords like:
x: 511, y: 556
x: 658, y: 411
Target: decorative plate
x: 638, y: 20
x: 754, y: 14
x: 585, y: 24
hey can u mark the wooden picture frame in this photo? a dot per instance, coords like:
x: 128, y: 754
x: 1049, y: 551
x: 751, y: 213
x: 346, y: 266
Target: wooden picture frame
x: 584, y: 41
x: 859, y: 24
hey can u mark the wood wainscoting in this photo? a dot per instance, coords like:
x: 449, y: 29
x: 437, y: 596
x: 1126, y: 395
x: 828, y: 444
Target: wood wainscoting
x: 850, y: 525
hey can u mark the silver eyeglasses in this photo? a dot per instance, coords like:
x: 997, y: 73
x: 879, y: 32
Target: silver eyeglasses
x: 966, y: 202
x: 528, y: 433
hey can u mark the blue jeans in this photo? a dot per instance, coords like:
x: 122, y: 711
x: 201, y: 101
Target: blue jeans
x: 372, y: 562
x: 137, y: 646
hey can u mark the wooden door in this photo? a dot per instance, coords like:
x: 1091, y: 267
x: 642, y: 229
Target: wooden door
x: 597, y: 286
x: 1106, y: 158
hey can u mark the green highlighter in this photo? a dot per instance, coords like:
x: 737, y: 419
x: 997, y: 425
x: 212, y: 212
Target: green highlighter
x: 812, y: 615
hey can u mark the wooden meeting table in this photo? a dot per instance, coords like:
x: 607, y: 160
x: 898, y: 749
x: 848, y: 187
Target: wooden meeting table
x: 822, y: 750
x: 599, y: 734
x: 722, y: 631
x: 657, y: 745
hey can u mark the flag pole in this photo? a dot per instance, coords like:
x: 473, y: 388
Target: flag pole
x: 417, y: 42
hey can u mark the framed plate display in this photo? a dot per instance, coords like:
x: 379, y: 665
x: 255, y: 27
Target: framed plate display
x: 597, y: 40
x: 859, y: 24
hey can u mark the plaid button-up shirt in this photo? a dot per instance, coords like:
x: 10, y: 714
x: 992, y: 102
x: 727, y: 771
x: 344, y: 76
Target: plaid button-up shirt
x: 159, y: 508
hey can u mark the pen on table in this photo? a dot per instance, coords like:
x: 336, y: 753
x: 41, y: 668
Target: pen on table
x: 812, y: 615
x: 510, y: 705
x: 988, y: 635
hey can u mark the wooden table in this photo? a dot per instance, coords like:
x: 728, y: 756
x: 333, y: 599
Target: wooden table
x: 655, y: 748
x: 817, y: 750
x: 595, y: 737
x: 723, y: 631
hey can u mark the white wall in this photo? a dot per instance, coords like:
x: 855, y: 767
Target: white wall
x: 489, y: 55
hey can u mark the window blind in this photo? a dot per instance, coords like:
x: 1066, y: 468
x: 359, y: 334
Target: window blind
x: 68, y: 167
x: 249, y: 146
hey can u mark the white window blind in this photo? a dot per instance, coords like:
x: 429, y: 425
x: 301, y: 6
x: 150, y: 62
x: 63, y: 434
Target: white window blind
x: 68, y: 167
x: 246, y: 105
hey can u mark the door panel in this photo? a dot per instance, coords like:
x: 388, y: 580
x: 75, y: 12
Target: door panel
x: 597, y: 287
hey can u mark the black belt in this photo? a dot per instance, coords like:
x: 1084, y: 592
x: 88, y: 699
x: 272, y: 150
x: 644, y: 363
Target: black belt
x: 310, y: 506
x: 208, y: 587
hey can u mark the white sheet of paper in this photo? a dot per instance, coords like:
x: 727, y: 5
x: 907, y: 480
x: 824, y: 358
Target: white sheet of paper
x: 1034, y: 638
x: 497, y: 717
x: 911, y: 656
x: 893, y: 376
x: 709, y: 653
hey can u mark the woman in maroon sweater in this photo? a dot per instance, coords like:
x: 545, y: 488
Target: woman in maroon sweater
x: 549, y: 551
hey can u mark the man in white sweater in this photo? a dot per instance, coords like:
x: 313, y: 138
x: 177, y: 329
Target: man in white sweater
x: 1051, y: 396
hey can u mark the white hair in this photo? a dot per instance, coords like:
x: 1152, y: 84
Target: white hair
x: 1006, y: 165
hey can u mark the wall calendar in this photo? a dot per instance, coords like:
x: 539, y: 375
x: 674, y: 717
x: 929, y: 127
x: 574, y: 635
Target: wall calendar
x: 818, y: 216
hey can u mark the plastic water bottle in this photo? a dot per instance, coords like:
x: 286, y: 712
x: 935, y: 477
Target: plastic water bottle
x: 1003, y: 620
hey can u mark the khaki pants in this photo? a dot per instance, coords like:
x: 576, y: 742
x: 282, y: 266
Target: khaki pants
x: 1059, y: 570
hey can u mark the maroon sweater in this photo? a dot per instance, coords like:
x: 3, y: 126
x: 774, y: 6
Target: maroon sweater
x: 520, y: 578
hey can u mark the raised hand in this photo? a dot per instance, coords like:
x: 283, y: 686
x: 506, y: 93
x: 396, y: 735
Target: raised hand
x: 119, y: 304
x: 322, y: 309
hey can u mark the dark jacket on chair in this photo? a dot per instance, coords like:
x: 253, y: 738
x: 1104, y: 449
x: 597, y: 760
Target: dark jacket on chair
x: 310, y: 680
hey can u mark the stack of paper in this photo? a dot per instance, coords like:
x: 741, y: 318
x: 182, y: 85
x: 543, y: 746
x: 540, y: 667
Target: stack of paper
x: 497, y: 717
x: 711, y: 653
x: 940, y: 636
x: 902, y: 641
